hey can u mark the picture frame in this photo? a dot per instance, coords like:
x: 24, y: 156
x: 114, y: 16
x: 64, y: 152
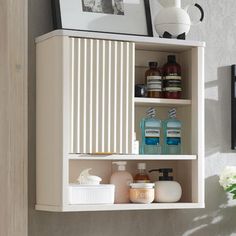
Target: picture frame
x: 154, y: 7
x: 128, y: 17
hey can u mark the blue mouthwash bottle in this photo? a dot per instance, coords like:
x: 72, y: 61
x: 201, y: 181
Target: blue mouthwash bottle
x: 151, y: 132
x: 172, y: 134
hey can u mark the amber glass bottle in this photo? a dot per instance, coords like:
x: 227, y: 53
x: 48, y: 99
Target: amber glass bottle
x: 141, y: 176
x: 172, y: 78
x: 153, y: 81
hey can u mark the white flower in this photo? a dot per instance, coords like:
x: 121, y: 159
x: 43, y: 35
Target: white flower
x: 228, y: 177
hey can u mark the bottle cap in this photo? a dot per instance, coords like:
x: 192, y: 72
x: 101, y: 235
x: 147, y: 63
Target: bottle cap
x: 172, y: 113
x: 171, y: 59
x: 141, y: 166
x: 151, y: 112
x: 121, y: 165
x: 153, y: 64
x: 165, y: 172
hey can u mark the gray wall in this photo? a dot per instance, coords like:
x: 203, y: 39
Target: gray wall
x: 219, y: 32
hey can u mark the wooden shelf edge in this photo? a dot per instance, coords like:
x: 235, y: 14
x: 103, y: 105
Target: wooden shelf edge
x: 161, y: 102
x: 48, y: 208
x: 121, y: 37
x: 120, y: 207
x: 132, y: 157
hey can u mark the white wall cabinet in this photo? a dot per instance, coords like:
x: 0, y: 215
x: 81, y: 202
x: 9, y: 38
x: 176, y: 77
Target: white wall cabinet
x: 86, y: 106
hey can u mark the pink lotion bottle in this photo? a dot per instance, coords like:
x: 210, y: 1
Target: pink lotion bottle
x: 121, y: 179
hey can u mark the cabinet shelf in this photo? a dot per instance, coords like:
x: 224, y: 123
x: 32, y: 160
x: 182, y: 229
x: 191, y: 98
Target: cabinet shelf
x: 161, y: 102
x: 121, y: 207
x: 132, y: 157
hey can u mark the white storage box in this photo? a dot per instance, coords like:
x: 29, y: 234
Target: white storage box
x: 91, y: 194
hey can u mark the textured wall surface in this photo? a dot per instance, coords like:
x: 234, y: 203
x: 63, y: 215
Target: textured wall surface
x: 219, y: 32
x: 13, y: 118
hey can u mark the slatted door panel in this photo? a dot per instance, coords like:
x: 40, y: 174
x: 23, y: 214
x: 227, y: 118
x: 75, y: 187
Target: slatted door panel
x: 102, y: 104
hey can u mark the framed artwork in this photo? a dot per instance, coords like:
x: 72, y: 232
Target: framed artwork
x: 154, y: 9
x: 130, y: 17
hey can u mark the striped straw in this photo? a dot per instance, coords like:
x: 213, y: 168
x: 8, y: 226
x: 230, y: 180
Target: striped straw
x: 172, y: 113
x: 151, y: 112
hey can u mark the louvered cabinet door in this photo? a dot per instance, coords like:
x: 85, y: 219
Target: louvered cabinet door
x: 102, y: 96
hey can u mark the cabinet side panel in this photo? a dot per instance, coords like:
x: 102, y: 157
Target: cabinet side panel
x: 49, y: 124
x: 198, y: 117
x: 102, y: 96
x: 185, y: 113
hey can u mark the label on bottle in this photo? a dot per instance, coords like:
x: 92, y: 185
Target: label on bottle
x: 173, y: 136
x: 152, y: 136
x: 172, y: 89
x: 173, y: 83
x: 154, y: 83
x: 172, y: 77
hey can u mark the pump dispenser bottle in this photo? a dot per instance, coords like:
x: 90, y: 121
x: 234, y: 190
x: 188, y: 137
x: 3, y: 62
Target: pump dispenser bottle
x: 166, y: 189
x: 121, y: 179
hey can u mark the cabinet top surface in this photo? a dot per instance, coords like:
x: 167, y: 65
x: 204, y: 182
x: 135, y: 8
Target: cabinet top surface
x: 141, y: 42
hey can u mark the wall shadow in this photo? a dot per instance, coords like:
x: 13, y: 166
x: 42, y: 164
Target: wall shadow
x: 220, y: 212
x: 218, y: 113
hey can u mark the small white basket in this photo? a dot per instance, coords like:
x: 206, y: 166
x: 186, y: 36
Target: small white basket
x: 91, y: 194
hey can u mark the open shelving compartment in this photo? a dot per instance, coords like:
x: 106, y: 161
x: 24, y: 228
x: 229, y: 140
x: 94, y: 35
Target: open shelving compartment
x: 104, y: 169
x: 57, y: 166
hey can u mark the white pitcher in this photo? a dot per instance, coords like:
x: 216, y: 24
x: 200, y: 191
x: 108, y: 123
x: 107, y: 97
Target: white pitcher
x: 173, y: 21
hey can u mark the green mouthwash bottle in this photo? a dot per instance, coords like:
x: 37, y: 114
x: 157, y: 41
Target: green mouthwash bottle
x: 172, y: 134
x: 151, y: 133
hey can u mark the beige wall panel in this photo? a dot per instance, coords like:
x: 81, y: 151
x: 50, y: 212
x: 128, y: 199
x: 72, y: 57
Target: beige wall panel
x: 13, y: 118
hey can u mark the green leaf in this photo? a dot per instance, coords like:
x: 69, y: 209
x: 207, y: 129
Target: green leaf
x: 233, y: 192
x: 231, y: 188
x: 234, y: 197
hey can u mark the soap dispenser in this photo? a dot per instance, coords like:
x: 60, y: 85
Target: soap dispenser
x: 122, y: 180
x: 166, y: 189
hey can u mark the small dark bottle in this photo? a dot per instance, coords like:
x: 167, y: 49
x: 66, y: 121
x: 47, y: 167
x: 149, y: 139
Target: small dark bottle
x: 172, y: 79
x: 141, y: 176
x: 153, y: 81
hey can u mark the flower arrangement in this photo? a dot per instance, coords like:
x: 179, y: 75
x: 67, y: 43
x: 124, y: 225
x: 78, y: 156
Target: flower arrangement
x: 228, y: 180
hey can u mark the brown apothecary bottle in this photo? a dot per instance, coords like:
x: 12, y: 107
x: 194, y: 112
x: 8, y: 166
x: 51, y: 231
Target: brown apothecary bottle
x: 172, y: 86
x: 153, y: 81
